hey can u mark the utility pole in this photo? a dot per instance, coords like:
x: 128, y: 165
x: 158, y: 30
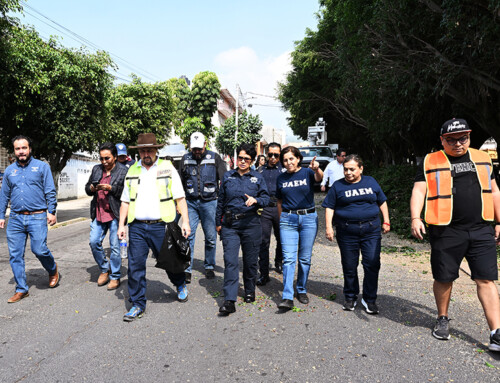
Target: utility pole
x: 236, y: 123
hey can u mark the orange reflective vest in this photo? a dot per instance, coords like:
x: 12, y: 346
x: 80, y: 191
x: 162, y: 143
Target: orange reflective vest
x: 439, y: 179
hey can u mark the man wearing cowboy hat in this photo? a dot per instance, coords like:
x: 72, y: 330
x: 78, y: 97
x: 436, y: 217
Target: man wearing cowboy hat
x: 151, y: 187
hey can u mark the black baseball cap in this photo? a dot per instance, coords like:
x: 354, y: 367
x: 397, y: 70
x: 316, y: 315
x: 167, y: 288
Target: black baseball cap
x: 455, y: 125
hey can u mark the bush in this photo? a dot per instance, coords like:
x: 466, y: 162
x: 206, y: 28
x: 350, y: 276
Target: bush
x: 397, y: 183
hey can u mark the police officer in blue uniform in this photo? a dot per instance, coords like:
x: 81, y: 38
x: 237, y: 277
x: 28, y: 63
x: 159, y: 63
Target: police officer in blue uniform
x: 270, y: 218
x: 243, y: 191
x: 201, y: 171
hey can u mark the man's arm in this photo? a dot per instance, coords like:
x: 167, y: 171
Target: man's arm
x: 4, y: 199
x: 496, y: 206
x: 50, y: 195
x: 416, y: 206
x: 221, y: 167
x: 123, y: 217
x: 183, y: 210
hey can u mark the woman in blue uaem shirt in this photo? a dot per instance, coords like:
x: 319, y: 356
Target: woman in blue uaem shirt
x: 352, y: 206
x: 298, y: 222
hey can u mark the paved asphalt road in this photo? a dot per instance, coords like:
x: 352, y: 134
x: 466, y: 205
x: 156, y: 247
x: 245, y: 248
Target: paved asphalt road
x: 75, y: 333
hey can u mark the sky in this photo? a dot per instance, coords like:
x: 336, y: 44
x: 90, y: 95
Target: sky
x: 243, y: 42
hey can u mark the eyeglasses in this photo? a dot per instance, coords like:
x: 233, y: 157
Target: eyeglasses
x: 453, y: 141
x: 104, y: 158
x: 246, y: 159
x: 275, y: 155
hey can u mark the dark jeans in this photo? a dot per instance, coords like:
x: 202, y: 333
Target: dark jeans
x: 142, y: 237
x: 270, y: 222
x: 246, y: 232
x: 353, y: 237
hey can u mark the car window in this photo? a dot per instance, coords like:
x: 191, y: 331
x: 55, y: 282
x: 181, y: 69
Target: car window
x: 319, y: 152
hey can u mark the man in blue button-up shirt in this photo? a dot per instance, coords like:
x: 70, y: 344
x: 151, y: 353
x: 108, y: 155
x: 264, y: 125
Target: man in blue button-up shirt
x: 29, y: 186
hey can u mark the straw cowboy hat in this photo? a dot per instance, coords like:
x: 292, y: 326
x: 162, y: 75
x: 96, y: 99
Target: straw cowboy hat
x: 146, y: 140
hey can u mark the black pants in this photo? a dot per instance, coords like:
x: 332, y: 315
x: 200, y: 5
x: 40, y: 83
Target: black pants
x: 270, y: 221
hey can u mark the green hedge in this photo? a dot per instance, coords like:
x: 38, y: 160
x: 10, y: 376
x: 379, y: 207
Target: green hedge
x: 397, y: 183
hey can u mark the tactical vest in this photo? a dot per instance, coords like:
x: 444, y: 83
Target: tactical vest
x: 200, y: 179
x: 439, y: 179
x: 163, y: 184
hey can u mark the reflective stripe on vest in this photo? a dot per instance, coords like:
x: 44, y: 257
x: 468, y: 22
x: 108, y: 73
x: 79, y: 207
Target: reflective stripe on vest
x: 163, y: 185
x: 439, y: 180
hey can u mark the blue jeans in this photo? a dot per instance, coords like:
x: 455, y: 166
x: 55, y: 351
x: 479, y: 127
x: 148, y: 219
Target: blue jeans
x: 203, y: 211
x: 98, y: 232
x: 18, y: 228
x: 247, y: 233
x: 142, y: 237
x: 353, y: 238
x: 297, y: 233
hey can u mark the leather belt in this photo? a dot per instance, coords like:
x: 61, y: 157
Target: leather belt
x: 31, y: 212
x: 272, y: 204
x: 300, y: 211
x: 242, y: 215
x: 149, y: 221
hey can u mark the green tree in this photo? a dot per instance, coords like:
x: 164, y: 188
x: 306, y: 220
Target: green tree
x: 52, y: 94
x: 140, y: 107
x: 196, y: 105
x: 385, y: 82
x: 249, y: 128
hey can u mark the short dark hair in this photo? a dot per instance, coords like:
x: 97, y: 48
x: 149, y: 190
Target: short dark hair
x: 354, y: 157
x: 296, y: 153
x: 248, y: 149
x: 21, y: 137
x: 109, y: 146
x: 274, y: 145
x: 340, y: 150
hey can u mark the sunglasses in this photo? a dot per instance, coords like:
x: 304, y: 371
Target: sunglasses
x: 246, y: 159
x: 453, y: 141
x: 275, y: 155
x: 105, y: 158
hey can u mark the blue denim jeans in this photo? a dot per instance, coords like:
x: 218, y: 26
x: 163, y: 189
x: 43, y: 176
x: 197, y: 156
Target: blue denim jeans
x: 98, y: 232
x: 353, y: 238
x: 203, y: 211
x: 142, y: 237
x: 297, y: 233
x: 18, y: 228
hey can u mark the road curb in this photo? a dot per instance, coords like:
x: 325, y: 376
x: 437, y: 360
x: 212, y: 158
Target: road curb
x: 69, y: 222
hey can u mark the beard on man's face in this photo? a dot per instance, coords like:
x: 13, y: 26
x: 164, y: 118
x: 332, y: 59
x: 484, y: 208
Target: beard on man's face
x: 23, y: 158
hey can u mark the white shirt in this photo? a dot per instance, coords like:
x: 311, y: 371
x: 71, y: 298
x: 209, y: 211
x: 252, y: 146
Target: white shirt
x: 147, y: 203
x: 333, y: 172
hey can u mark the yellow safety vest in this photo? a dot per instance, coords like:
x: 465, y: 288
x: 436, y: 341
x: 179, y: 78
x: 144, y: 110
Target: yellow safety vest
x: 163, y: 185
x: 439, y: 180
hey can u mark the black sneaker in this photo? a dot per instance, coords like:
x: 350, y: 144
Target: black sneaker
x: 442, y: 328
x: 187, y: 277
x: 370, y: 307
x: 495, y: 341
x: 210, y: 274
x: 278, y: 267
x: 349, y: 305
x: 263, y: 280
x: 227, y: 308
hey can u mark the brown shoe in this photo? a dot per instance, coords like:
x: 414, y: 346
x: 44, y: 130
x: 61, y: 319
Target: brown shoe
x: 17, y: 297
x: 103, y: 279
x: 114, y: 284
x: 54, y: 279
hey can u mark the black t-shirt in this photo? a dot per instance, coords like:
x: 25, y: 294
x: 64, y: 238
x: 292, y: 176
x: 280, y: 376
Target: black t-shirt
x: 467, y: 204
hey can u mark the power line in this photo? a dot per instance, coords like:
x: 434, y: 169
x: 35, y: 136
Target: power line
x: 87, y: 43
x: 264, y: 95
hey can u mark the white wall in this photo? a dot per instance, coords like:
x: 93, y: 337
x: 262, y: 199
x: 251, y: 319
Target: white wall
x: 73, y: 178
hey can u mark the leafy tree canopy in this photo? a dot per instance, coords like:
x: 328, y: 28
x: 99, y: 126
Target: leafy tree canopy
x: 249, y: 128
x: 52, y: 94
x: 140, y: 107
x: 386, y: 74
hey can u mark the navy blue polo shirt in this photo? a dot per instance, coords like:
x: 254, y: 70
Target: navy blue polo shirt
x: 232, y: 193
x: 355, y: 202
x: 270, y: 174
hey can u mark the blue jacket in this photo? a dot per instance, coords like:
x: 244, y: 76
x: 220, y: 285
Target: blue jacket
x: 28, y: 188
x: 232, y: 193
